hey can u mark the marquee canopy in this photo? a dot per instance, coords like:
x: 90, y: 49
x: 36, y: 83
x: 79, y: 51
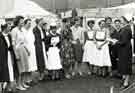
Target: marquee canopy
x: 26, y: 8
x: 123, y: 10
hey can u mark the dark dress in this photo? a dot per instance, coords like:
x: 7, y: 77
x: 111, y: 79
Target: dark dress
x: 48, y: 41
x: 113, y: 50
x: 67, y: 55
x: 39, y: 49
x: 125, y: 51
x: 4, y: 70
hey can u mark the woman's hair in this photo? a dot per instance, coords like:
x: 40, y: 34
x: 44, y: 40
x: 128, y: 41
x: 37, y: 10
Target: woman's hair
x: 38, y: 20
x: 26, y: 21
x: 108, y: 18
x: 124, y: 18
x: 99, y: 23
x: 117, y: 20
x: 3, y: 27
x: 17, y: 20
x: 90, y: 21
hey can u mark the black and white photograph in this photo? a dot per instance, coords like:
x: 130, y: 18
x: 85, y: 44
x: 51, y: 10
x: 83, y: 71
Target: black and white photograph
x: 67, y: 46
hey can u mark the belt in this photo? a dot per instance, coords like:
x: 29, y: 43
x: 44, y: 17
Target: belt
x: 90, y: 40
x: 100, y: 40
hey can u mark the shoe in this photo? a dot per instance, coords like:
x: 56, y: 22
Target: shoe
x: 26, y: 86
x: 80, y: 73
x: 124, y: 87
x: 32, y: 83
x: 20, y: 88
x: 89, y: 73
x: 73, y: 73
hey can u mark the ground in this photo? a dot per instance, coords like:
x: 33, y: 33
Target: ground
x: 86, y: 84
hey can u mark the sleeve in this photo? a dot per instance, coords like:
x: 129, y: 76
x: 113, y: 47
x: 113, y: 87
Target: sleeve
x: 13, y: 35
x: 0, y: 54
x: 14, y: 38
x: 26, y: 44
x: 125, y: 37
x: 85, y: 37
x: 82, y: 37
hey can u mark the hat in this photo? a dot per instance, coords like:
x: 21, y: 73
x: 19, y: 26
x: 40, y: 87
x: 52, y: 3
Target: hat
x: 53, y: 25
x: 128, y: 17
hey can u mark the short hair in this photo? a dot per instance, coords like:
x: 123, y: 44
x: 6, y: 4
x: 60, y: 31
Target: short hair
x: 17, y: 20
x: 101, y: 22
x: 124, y: 18
x: 53, y: 27
x: 64, y: 20
x: 38, y: 20
x: 117, y: 20
x: 91, y: 21
x: 108, y: 18
x: 3, y: 27
x: 26, y: 21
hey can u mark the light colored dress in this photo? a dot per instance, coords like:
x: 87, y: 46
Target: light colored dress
x: 89, y: 47
x: 20, y: 49
x: 29, y: 37
x: 54, y: 61
x: 102, y: 57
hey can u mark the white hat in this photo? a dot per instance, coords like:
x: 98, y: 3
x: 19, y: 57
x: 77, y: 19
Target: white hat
x: 53, y: 24
x: 128, y: 17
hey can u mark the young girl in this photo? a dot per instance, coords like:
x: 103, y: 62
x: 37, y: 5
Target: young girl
x: 53, y: 64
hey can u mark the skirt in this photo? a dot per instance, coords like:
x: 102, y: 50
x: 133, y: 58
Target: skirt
x: 23, y: 62
x: 32, y: 60
x: 78, y: 52
x: 54, y: 62
x: 89, y: 54
x: 102, y: 57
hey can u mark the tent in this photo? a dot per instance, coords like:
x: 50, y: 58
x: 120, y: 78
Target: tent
x: 123, y: 10
x: 27, y: 8
x: 127, y: 9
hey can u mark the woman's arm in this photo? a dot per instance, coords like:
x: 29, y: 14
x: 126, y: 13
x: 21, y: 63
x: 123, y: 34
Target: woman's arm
x: 125, y: 37
x: 107, y: 37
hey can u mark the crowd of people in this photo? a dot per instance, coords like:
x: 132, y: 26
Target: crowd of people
x: 64, y: 51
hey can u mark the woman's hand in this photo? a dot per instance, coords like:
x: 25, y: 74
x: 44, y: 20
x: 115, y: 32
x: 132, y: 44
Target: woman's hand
x: 99, y: 47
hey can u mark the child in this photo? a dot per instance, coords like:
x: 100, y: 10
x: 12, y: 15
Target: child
x: 53, y: 53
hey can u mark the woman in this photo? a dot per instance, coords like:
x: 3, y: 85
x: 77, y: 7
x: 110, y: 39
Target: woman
x: 102, y: 57
x: 125, y: 51
x: 67, y: 55
x: 7, y: 59
x: 21, y: 51
x: 29, y: 37
x: 77, y: 42
x: 40, y: 47
x: 89, y: 46
x: 53, y: 65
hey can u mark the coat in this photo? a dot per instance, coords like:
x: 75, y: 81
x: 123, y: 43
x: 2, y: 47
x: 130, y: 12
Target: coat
x: 39, y: 49
x: 125, y: 51
x: 4, y: 70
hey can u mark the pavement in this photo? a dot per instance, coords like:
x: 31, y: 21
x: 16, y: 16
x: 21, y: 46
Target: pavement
x: 86, y: 84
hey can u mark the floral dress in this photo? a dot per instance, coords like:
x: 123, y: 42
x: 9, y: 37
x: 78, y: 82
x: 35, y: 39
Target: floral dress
x: 66, y: 48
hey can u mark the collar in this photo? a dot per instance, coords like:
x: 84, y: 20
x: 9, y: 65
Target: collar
x: 4, y: 34
x: 53, y: 33
x: 39, y: 28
